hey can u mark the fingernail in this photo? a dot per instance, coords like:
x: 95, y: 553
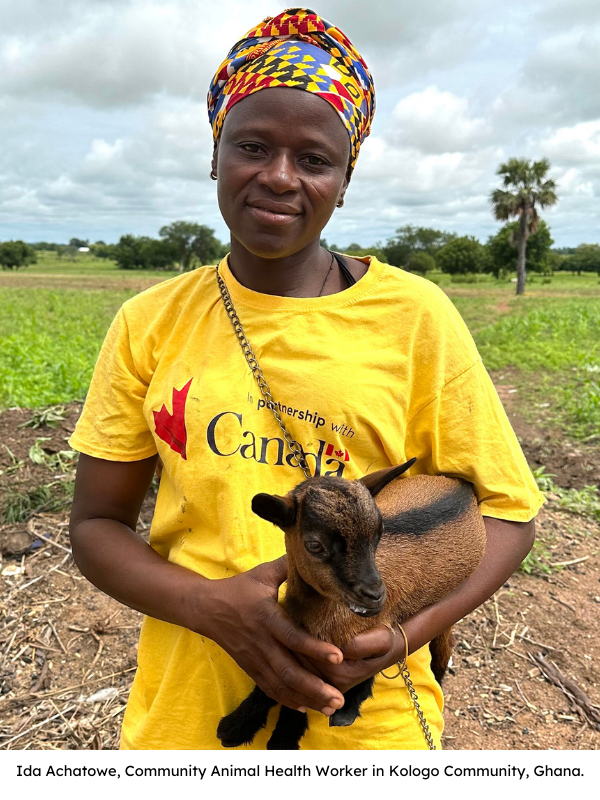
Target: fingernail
x: 336, y: 703
x: 327, y: 711
x: 333, y: 659
x: 303, y: 709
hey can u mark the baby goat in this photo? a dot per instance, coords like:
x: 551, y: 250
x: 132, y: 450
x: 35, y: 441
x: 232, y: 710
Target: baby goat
x: 355, y: 562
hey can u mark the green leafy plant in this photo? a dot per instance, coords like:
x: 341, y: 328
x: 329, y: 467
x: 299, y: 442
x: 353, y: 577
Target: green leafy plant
x: 63, y: 461
x: 15, y: 465
x: 537, y: 561
x: 48, y: 417
x: 544, y: 479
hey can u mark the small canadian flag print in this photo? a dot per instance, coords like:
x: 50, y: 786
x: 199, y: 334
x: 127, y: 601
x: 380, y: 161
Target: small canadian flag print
x: 341, y: 454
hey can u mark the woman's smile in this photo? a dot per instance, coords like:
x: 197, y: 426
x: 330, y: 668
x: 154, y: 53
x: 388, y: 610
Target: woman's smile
x: 270, y: 212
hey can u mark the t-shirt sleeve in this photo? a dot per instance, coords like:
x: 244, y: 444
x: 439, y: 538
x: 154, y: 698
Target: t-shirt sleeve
x: 112, y: 425
x: 464, y: 431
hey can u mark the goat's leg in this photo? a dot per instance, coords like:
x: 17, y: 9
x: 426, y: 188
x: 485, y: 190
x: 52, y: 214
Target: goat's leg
x: 353, y: 699
x: 291, y: 727
x: 441, y: 650
x: 242, y: 725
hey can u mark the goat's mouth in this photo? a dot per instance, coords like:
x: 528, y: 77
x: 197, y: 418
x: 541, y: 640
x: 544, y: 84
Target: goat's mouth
x: 363, y: 611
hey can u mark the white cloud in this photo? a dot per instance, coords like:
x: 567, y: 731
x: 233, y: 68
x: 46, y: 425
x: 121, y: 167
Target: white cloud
x: 434, y: 121
x: 578, y: 144
x: 114, y: 54
x: 558, y: 81
x: 104, y: 128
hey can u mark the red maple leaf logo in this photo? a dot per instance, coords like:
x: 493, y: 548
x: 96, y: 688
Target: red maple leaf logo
x: 339, y: 453
x: 171, y: 427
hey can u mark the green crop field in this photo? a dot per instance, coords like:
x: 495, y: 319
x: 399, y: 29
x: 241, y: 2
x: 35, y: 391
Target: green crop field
x: 49, y: 341
x: 549, y: 339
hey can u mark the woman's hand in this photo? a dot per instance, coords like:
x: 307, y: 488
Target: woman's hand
x: 240, y: 613
x: 507, y: 545
x: 245, y: 619
x: 364, y: 656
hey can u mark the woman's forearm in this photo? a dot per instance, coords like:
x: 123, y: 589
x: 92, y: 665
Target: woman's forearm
x: 120, y: 563
x: 507, y: 545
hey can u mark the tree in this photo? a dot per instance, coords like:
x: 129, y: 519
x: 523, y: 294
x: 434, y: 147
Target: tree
x: 16, y: 254
x: 101, y: 250
x: 460, y: 256
x: 79, y: 243
x: 420, y: 262
x: 529, y: 189
x: 189, y: 240
x: 143, y: 252
x: 502, y: 248
x: 586, y: 258
x: 410, y: 239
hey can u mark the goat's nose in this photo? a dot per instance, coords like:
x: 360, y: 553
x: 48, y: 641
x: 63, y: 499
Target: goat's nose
x: 374, y: 593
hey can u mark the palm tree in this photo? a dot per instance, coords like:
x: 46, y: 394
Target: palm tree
x: 526, y: 179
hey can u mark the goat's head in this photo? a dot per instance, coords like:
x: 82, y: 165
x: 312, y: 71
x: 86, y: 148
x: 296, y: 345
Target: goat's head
x: 332, y: 528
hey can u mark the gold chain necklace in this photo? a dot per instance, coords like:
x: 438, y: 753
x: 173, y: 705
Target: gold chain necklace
x: 298, y: 457
x: 300, y: 461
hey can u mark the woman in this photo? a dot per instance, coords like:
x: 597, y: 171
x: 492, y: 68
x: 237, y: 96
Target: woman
x: 368, y: 366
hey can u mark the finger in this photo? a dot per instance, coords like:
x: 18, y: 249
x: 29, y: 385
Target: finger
x: 267, y: 680
x: 293, y: 677
x: 371, y: 644
x: 294, y: 638
x: 271, y: 573
x: 280, y: 683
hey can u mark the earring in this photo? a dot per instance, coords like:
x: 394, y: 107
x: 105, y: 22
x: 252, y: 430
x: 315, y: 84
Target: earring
x: 213, y: 175
x: 340, y: 203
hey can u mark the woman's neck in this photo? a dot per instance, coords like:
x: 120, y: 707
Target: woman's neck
x: 307, y: 273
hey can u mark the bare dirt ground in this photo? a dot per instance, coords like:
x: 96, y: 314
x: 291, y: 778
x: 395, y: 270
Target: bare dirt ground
x: 526, y: 668
x: 84, y: 282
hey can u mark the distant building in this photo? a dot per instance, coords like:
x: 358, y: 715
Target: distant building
x: 84, y: 249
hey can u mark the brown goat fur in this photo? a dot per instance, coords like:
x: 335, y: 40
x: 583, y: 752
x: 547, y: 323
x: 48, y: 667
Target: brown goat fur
x: 361, y: 554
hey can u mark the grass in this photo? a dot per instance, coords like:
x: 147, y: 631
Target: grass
x: 49, y: 339
x: 582, y: 502
x: 49, y: 342
x: 19, y: 506
x: 552, y: 339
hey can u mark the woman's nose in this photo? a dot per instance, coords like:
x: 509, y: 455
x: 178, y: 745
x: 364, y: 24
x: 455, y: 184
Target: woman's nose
x: 280, y: 174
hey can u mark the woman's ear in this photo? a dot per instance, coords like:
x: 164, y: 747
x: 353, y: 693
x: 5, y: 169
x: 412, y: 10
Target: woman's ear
x: 214, y: 160
x: 343, y: 190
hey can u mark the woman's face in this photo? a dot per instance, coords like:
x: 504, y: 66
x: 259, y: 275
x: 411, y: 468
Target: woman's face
x: 281, y: 161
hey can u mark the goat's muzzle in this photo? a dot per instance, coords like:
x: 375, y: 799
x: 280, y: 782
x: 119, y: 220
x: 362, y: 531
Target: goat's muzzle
x: 368, y: 602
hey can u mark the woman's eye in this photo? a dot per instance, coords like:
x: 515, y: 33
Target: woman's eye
x: 248, y: 147
x: 314, y: 547
x: 315, y: 161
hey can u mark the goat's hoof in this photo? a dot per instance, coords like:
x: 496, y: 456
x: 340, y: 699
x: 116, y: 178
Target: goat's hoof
x: 342, y: 718
x: 282, y: 744
x: 232, y: 734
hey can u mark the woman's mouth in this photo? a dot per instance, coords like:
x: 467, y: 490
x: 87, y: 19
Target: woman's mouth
x: 271, y: 214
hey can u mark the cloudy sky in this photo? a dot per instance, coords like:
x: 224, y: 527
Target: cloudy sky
x: 103, y: 126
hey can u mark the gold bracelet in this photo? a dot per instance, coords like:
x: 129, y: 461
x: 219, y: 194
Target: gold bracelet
x: 401, y: 664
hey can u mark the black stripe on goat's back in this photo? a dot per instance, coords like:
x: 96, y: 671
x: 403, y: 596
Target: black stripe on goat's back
x: 444, y: 509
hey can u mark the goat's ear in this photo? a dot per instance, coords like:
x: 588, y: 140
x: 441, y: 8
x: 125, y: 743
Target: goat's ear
x: 377, y: 480
x: 279, y: 510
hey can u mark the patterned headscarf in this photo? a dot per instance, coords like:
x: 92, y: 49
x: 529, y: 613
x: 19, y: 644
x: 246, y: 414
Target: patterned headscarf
x: 300, y: 50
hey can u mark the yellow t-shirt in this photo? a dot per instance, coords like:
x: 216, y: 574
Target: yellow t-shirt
x: 366, y: 378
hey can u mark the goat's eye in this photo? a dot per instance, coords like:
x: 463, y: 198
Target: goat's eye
x: 314, y: 547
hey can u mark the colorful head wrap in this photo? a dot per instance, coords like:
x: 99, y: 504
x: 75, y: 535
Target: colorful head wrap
x: 297, y: 49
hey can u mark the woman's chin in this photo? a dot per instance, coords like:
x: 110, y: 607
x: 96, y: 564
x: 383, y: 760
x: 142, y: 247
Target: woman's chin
x: 271, y: 246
